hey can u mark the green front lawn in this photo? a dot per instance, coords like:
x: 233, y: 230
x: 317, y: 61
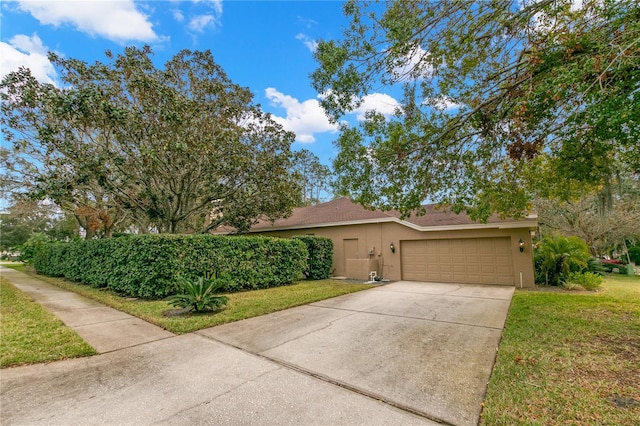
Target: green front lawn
x: 32, y: 334
x: 240, y: 305
x: 569, y: 358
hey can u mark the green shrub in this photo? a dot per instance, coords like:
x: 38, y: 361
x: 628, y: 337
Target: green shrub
x: 594, y: 265
x: 199, y: 295
x: 557, y: 256
x: 320, y: 256
x: 149, y: 266
x: 586, y: 280
x: 29, y: 247
x: 634, y: 254
x: 52, y: 258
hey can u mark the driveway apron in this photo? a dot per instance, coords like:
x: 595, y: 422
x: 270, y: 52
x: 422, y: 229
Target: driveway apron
x: 426, y: 348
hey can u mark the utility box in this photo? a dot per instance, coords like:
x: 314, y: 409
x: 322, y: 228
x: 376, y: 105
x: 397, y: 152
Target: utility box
x: 631, y: 269
x: 359, y: 269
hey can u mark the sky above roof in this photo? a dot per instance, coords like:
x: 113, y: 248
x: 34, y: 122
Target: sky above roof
x: 266, y: 46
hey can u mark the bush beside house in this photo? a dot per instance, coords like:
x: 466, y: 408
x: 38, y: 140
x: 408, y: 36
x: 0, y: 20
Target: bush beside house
x: 557, y: 256
x: 320, y: 256
x: 150, y: 266
x: 566, y: 261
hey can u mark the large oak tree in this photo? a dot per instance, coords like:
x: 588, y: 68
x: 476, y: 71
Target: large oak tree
x: 495, y: 93
x: 176, y: 149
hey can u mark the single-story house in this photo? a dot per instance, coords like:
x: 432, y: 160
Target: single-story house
x: 440, y: 246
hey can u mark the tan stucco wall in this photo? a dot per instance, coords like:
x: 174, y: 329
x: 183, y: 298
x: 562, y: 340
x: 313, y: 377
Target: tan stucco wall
x: 379, y: 236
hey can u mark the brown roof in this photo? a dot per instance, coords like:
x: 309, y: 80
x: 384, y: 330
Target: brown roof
x: 343, y: 210
x: 443, y: 216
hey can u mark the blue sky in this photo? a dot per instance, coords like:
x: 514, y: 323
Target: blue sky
x: 264, y: 45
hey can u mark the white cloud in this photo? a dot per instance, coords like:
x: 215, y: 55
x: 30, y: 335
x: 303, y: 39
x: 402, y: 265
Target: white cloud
x: 576, y: 5
x: 199, y: 22
x: 303, y: 118
x: 308, y: 23
x: 118, y: 21
x: 29, y: 52
x: 312, y: 45
x: 216, y: 5
x: 177, y: 15
x: 379, y: 102
x: 412, y: 66
x: 442, y: 103
x: 308, y: 117
x: 211, y: 19
x: 543, y: 22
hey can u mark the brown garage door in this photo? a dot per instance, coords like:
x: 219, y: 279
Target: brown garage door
x: 464, y: 260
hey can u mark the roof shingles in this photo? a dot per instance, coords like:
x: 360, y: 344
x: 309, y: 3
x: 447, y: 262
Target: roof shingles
x: 344, y: 210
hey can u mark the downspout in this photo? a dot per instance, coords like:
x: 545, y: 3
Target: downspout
x: 520, y: 279
x: 381, y: 257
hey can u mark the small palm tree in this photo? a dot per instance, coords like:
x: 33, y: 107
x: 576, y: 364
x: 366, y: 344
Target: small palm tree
x: 199, y: 296
x: 558, y: 256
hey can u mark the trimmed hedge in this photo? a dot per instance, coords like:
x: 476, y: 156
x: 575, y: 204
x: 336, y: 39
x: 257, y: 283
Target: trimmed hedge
x: 320, y: 256
x: 148, y: 266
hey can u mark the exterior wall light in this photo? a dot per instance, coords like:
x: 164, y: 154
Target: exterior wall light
x: 392, y: 247
x: 521, y: 245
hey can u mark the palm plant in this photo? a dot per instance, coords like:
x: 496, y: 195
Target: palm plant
x: 558, y: 256
x: 199, y: 295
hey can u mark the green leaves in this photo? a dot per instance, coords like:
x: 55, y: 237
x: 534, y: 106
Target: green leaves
x: 149, y: 266
x: 320, y: 261
x: 199, y: 295
x: 557, y: 256
x: 174, y: 149
x: 488, y: 88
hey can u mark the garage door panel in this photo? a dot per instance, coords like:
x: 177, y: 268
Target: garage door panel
x: 503, y: 280
x: 486, y: 279
x: 488, y: 269
x: 473, y: 250
x: 473, y: 268
x: 469, y: 260
x: 504, y: 250
x: 504, y: 270
x: 472, y: 259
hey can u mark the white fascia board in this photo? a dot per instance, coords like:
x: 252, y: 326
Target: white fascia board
x: 472, y: 226
x: 325, y: 225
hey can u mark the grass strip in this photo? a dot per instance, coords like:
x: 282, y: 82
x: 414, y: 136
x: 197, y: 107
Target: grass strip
x: 32, y: 334
x: 569, y: 358
x: 240, y: 306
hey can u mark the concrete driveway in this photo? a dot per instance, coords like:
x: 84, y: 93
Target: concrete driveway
x: 403, y: 353
x: 426, y: 348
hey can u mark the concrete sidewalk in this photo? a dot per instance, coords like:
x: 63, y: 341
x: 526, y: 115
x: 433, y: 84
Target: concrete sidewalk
x: 104, y: 328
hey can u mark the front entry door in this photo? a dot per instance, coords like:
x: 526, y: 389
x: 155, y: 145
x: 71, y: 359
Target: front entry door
x: 350, y: 250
